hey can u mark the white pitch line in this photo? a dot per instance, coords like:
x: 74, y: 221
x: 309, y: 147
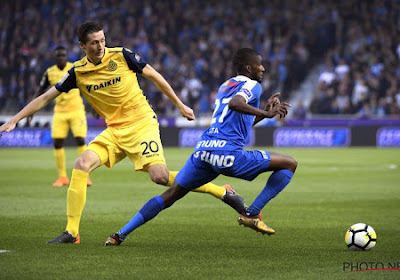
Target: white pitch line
x: 392, y: 166
x: 4, y: 251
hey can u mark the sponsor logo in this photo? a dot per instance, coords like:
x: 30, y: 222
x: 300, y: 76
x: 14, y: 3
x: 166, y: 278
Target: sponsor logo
x: 211, y: 144
x: 388, y: 137
x: 312, y: 137
x: 103, y: 85
x: 216, y: 160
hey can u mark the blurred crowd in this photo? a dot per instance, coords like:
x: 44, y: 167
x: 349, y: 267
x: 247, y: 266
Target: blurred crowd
x: 192, y: 42
x: 361, y: 73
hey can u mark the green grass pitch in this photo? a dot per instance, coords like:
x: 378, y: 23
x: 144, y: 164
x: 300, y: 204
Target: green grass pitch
x: 199, y: 237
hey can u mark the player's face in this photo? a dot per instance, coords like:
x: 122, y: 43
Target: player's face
x: 61, y: 58
x: 257, y: 69
x: 94, y: 46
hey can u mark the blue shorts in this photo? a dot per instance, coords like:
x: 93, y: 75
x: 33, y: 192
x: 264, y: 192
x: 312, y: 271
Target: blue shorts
x: 204, y: 166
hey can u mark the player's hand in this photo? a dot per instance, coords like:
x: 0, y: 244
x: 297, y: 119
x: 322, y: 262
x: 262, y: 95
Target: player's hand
x: 280, y: 109
x: 187, y: 113
x: 272, y: 101
x: 7, y: 127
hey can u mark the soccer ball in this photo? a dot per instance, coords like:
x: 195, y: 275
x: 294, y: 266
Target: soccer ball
x: 360, y: 237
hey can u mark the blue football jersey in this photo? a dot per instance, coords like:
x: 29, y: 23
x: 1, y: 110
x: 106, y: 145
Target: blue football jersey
x: 229, y: 130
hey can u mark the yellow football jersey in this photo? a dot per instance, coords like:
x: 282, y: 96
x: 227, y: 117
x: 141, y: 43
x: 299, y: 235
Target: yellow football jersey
x: 111, y: 87
x: 64, y: 102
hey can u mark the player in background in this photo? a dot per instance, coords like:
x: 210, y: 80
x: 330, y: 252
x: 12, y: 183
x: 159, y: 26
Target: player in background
x: 220, y: 149
x: 107, y: 79
x: 69, y: 113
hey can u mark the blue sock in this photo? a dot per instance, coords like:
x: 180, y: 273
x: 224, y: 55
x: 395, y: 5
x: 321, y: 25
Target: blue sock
x: 148, y: 212
x: 275, y: 184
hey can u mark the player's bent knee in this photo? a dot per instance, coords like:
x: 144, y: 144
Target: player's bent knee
x: 82, y: 164
x: 292, y: 164
x: 159, y: 174
x: 58, y: 143
x: 160, y: 179
x: 80, y: 141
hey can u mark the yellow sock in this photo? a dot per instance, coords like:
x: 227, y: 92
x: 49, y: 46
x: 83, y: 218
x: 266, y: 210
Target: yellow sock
x: 59, y: 154
x: 81, y: 149
x: 76, y: 199
x: 210, y: 188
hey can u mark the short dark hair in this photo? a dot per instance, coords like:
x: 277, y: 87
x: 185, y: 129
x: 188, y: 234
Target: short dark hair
x: 243, y: 57
x: 87, y: 28
x: 60, y: 48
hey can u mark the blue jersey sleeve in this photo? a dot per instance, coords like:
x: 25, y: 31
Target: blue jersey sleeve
x: 134, y: 61
x: 251, y: 91
x: 67, y: 82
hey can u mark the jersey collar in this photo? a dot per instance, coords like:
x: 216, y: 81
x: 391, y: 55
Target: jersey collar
x: 101, y: 60
x: 242, y: 78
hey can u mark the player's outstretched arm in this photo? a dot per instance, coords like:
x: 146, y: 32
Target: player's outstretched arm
x: 34, y: 106
x: 152, y: 74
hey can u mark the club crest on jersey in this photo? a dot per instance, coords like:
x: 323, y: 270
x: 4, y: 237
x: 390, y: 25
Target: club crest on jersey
x: 112, y: 65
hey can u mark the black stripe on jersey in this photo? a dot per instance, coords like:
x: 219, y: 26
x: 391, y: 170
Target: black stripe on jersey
x: 114, y: 51
x: 134, y: 61
x: 81, y: 65
x: 67, y: 82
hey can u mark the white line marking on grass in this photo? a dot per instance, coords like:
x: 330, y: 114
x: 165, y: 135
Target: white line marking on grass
x: 392, y: 166
x: 4, y: 251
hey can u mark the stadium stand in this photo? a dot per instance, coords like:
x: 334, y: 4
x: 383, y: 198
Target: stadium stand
x: 191, y: 42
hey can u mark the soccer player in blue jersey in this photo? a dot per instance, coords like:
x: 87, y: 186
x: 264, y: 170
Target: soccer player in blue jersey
x: 220, y: 149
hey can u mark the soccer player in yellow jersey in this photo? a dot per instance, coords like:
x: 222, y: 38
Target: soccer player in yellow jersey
x: 69, y: 112
x: 107, y: 79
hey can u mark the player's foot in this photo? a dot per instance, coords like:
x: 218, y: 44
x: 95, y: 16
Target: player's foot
x: 65, y: 237
x: 61, y: 182
x: 113, y: 240
x: 233, y: 199
x: 256, y: 223
x: 89, y: 182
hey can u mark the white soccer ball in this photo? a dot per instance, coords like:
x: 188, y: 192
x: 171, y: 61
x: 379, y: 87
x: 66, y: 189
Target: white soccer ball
x: 360, y: 237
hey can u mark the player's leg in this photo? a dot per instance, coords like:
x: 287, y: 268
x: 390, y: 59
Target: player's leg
x: 81, y: 145
x: 76, y: 196
x: 149, y: 211
x: 159, y: 172
x: 59, y: 131
x: 79, y: 130
x: 226, y: 193
x: 283, y: 167
x: 59, y: 156
x: 188, y: 178
x: 101, y: 151
x: 219, y: 192
x: 151, y: 147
